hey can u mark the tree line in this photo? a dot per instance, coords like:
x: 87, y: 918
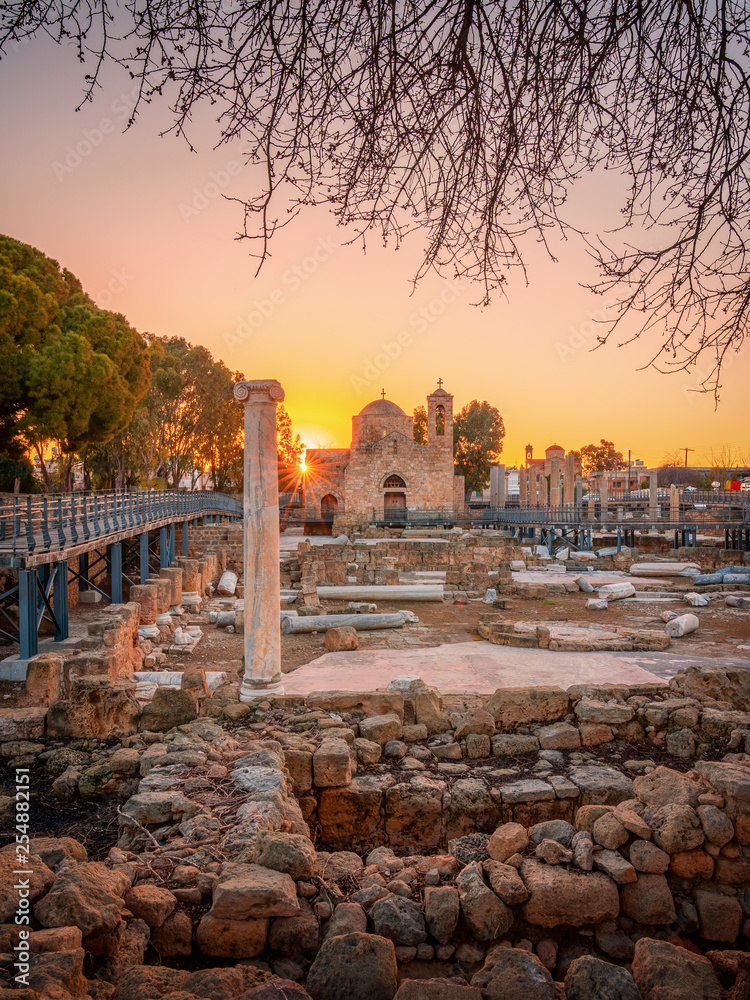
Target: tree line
x: 135, y: 410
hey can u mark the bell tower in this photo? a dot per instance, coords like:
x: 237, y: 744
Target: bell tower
x: 440, y: 419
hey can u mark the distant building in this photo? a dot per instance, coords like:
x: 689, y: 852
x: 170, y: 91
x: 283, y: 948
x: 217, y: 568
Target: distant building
x: 544, y: 465
x: 385, y: 469
x: 618, y: 479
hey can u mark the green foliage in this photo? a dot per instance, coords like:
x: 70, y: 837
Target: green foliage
x: 139, y: 411
x: 420, y: 425
x: 601, y: 457
x: 289, y: 446
x: 478, y: 433
x: 187, y: 423
x: 21, y: 472
x: 69, y: 372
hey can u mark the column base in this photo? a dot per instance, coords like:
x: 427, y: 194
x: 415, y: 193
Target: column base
x: 249, y: 693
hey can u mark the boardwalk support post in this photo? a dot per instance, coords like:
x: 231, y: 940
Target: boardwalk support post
x: 143, y: 552
x: 60, y: 599
x: 27, y: 615
x: 115, y: 569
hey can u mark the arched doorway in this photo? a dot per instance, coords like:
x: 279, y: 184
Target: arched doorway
x: 328, y: 507
x: 394, y: 497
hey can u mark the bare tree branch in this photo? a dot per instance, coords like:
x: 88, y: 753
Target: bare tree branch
x: 470, y: 120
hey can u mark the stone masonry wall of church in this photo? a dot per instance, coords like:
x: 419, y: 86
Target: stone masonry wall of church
x: 428, y: 477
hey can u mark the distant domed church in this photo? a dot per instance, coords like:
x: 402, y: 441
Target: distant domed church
x: 385, y: 469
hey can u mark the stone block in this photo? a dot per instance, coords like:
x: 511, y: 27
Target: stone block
x: 163, y: 590
x: 513, y: 744
x: 720, y: 916
x: 170, y: 707
x: 250, y: 891
x: 332, y: 765
x: 559, y: 736
x: 44, y: 680
x: 299, y: 763
x: 342, y: 638
x: 472, y: 808
x: 569, y: 897
x: 227, y: 938
x: 428, y: 712
x: 351, y: 814
x: 609, y: 713
x: 21, y: 723
x: 367, y: 702
x: 485, y: 915
x: 658, y: 965
x: 527, y: 790
x: 381, y: 728
x: 98, y: 707
x: 522, y: 705
x: 174, y: 575
x: 413, y: 813
x: 508, y: 839
x: 648, y: 900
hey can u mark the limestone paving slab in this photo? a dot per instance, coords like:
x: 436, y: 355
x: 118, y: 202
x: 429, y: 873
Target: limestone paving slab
x: 471, y: 666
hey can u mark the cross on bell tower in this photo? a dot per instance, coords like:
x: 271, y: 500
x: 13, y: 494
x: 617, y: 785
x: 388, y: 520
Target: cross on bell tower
x: 440, y: 383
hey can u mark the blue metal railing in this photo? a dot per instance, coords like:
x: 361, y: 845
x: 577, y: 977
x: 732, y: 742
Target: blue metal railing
x: 586, y: 514
x: 49, y: 523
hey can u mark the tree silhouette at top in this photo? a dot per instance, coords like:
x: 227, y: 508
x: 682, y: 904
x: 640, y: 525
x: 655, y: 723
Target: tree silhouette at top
x: 470, y: 120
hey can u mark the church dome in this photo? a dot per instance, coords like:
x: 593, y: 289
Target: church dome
x: 382, y: 408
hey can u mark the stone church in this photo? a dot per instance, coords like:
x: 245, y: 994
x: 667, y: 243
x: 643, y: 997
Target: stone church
x: 385, y: 469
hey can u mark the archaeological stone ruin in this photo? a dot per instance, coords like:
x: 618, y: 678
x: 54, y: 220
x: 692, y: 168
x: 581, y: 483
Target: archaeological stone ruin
x: 410, y: 763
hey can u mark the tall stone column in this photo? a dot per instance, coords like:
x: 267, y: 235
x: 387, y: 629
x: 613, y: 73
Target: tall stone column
x: 497, y: 486
x: 653, y: 494
x: 578, y: 490
x: 554, y: 482
x: 261, y: 540
x: 494, y: 480
x: 674, y: 503
x: 570, y: 479
x: 522, y: 484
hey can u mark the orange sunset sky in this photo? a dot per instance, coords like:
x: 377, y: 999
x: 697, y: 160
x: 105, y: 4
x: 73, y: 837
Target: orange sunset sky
x: 142, y: 222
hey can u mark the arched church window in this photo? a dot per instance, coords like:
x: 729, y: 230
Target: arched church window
x: 394, y: 483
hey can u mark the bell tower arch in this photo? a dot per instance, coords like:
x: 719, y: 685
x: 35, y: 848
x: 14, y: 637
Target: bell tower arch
x: 440, y: 418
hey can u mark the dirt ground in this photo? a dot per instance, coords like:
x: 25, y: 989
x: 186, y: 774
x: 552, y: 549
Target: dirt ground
x: 723, y: 631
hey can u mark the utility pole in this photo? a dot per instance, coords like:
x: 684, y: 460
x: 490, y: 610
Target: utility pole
x: 686, y: 450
